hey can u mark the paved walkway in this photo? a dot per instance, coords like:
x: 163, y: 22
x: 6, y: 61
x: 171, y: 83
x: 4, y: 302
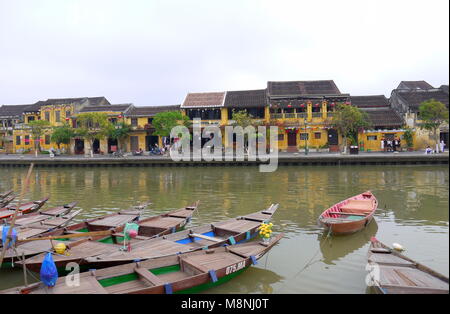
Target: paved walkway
x: 29, y: 157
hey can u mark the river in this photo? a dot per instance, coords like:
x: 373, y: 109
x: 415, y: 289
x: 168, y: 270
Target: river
x: 413, y: 211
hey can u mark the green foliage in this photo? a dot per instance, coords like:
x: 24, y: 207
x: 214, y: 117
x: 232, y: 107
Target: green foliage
x: 38, y: 127
x: 242, y: 118
x: 62, y: 134
x: 349, y: 120
x: 164, y: 122
x: 433, y: 113
x: 118, y: 131
x: 92, y: 125
x: 408, y: 137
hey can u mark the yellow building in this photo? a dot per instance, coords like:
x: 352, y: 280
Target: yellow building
x: 301, y: 110
x: 386, y: 123
x: 142, y: 135
x: 56, y: 111
x: 115, y: 114
x: 406, y: 100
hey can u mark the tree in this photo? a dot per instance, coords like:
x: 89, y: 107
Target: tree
x: 118, y: 132
x: 243, y: 119
x: 92, y: 126
x: 433, y: 113
x: 409, y: 138
x: 348, y: 121
x: 164, y: 122
x: 62, y: 135
x: 38, y: 128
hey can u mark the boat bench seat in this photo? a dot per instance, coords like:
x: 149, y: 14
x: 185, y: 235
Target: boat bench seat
x: 358, y: 206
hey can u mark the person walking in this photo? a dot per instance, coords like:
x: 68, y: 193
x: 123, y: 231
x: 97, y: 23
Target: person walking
x: 442, y: 144
x: 382, y: 144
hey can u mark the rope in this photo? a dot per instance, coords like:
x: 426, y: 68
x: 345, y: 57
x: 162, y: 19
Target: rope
x: 309, y: 263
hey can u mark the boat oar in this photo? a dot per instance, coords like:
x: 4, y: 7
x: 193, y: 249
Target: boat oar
x: 69, y: 236
x: 13, y: 221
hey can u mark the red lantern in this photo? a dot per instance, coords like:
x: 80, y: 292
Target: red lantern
x: 120, y: 116
x: 289, y: 106
x: 332, y: 104
x: 316, y: 105
x: 302, y: 105
x: 67, y: 119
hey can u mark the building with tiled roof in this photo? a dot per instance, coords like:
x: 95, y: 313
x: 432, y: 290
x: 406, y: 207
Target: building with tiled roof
x: 121, y: 108
x: 414, y: 85
x: 407, y: 103
x: 380, y: 113
x: 149, y: 111
x: 204, y: 100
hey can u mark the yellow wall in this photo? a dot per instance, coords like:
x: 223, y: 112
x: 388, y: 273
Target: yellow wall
x: 30, y: 144
x: 52, y: 109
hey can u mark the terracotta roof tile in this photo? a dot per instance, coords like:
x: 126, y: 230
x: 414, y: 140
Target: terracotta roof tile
x: 204, y: 100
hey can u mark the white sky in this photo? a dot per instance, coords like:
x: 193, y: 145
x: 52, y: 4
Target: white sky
x: 154, y: 52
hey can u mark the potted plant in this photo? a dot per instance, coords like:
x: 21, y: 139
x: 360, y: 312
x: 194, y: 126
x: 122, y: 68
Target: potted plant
x: 324, y: 148
x: 265, y: 231
x: 408, y: 137
x: 353, y: 146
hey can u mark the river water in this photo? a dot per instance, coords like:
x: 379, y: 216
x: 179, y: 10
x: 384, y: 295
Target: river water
x: 413, y: 211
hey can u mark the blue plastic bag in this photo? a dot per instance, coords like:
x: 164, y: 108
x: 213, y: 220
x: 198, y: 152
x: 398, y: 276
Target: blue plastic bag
x: 49, y: 273
x: 5, y: 231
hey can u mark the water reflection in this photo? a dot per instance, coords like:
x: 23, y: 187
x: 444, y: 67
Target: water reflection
x: 334, y: 248
x: 413, y: 211
x: 253, y: 280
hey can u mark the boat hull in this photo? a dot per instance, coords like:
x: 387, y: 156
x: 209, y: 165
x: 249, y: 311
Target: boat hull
x: 350, y: 215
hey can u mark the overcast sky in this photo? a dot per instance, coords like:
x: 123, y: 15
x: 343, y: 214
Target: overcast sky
x: 154, y: 52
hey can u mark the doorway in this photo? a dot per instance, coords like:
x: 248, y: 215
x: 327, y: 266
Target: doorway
x: 292, y: 139
x: 112, y: 145
x: 79, y: 146
x: 151, y: 141
x: 134, y: 143
x: 96, y: 146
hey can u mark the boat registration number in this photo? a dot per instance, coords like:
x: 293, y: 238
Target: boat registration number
x: 235, y: 267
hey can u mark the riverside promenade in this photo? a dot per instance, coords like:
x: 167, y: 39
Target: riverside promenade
x: 313, y: 159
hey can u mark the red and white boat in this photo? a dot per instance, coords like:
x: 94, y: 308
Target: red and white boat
x: 350, y: 215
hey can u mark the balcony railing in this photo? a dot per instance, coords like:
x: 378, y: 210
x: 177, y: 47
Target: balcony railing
x: 290, y: 115
x: 317, y: 114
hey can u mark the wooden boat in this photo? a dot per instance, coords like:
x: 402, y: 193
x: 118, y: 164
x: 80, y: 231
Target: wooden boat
x: 97, y: 254
x: 5, y: 194
x: 397, y: 274
x: 350, y: 215
x: 5, y: 201
x: 28, y: 249
x: 25, y: 208
x: 32, y: 225
x: 189, y: 272
x: 148, y: 228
